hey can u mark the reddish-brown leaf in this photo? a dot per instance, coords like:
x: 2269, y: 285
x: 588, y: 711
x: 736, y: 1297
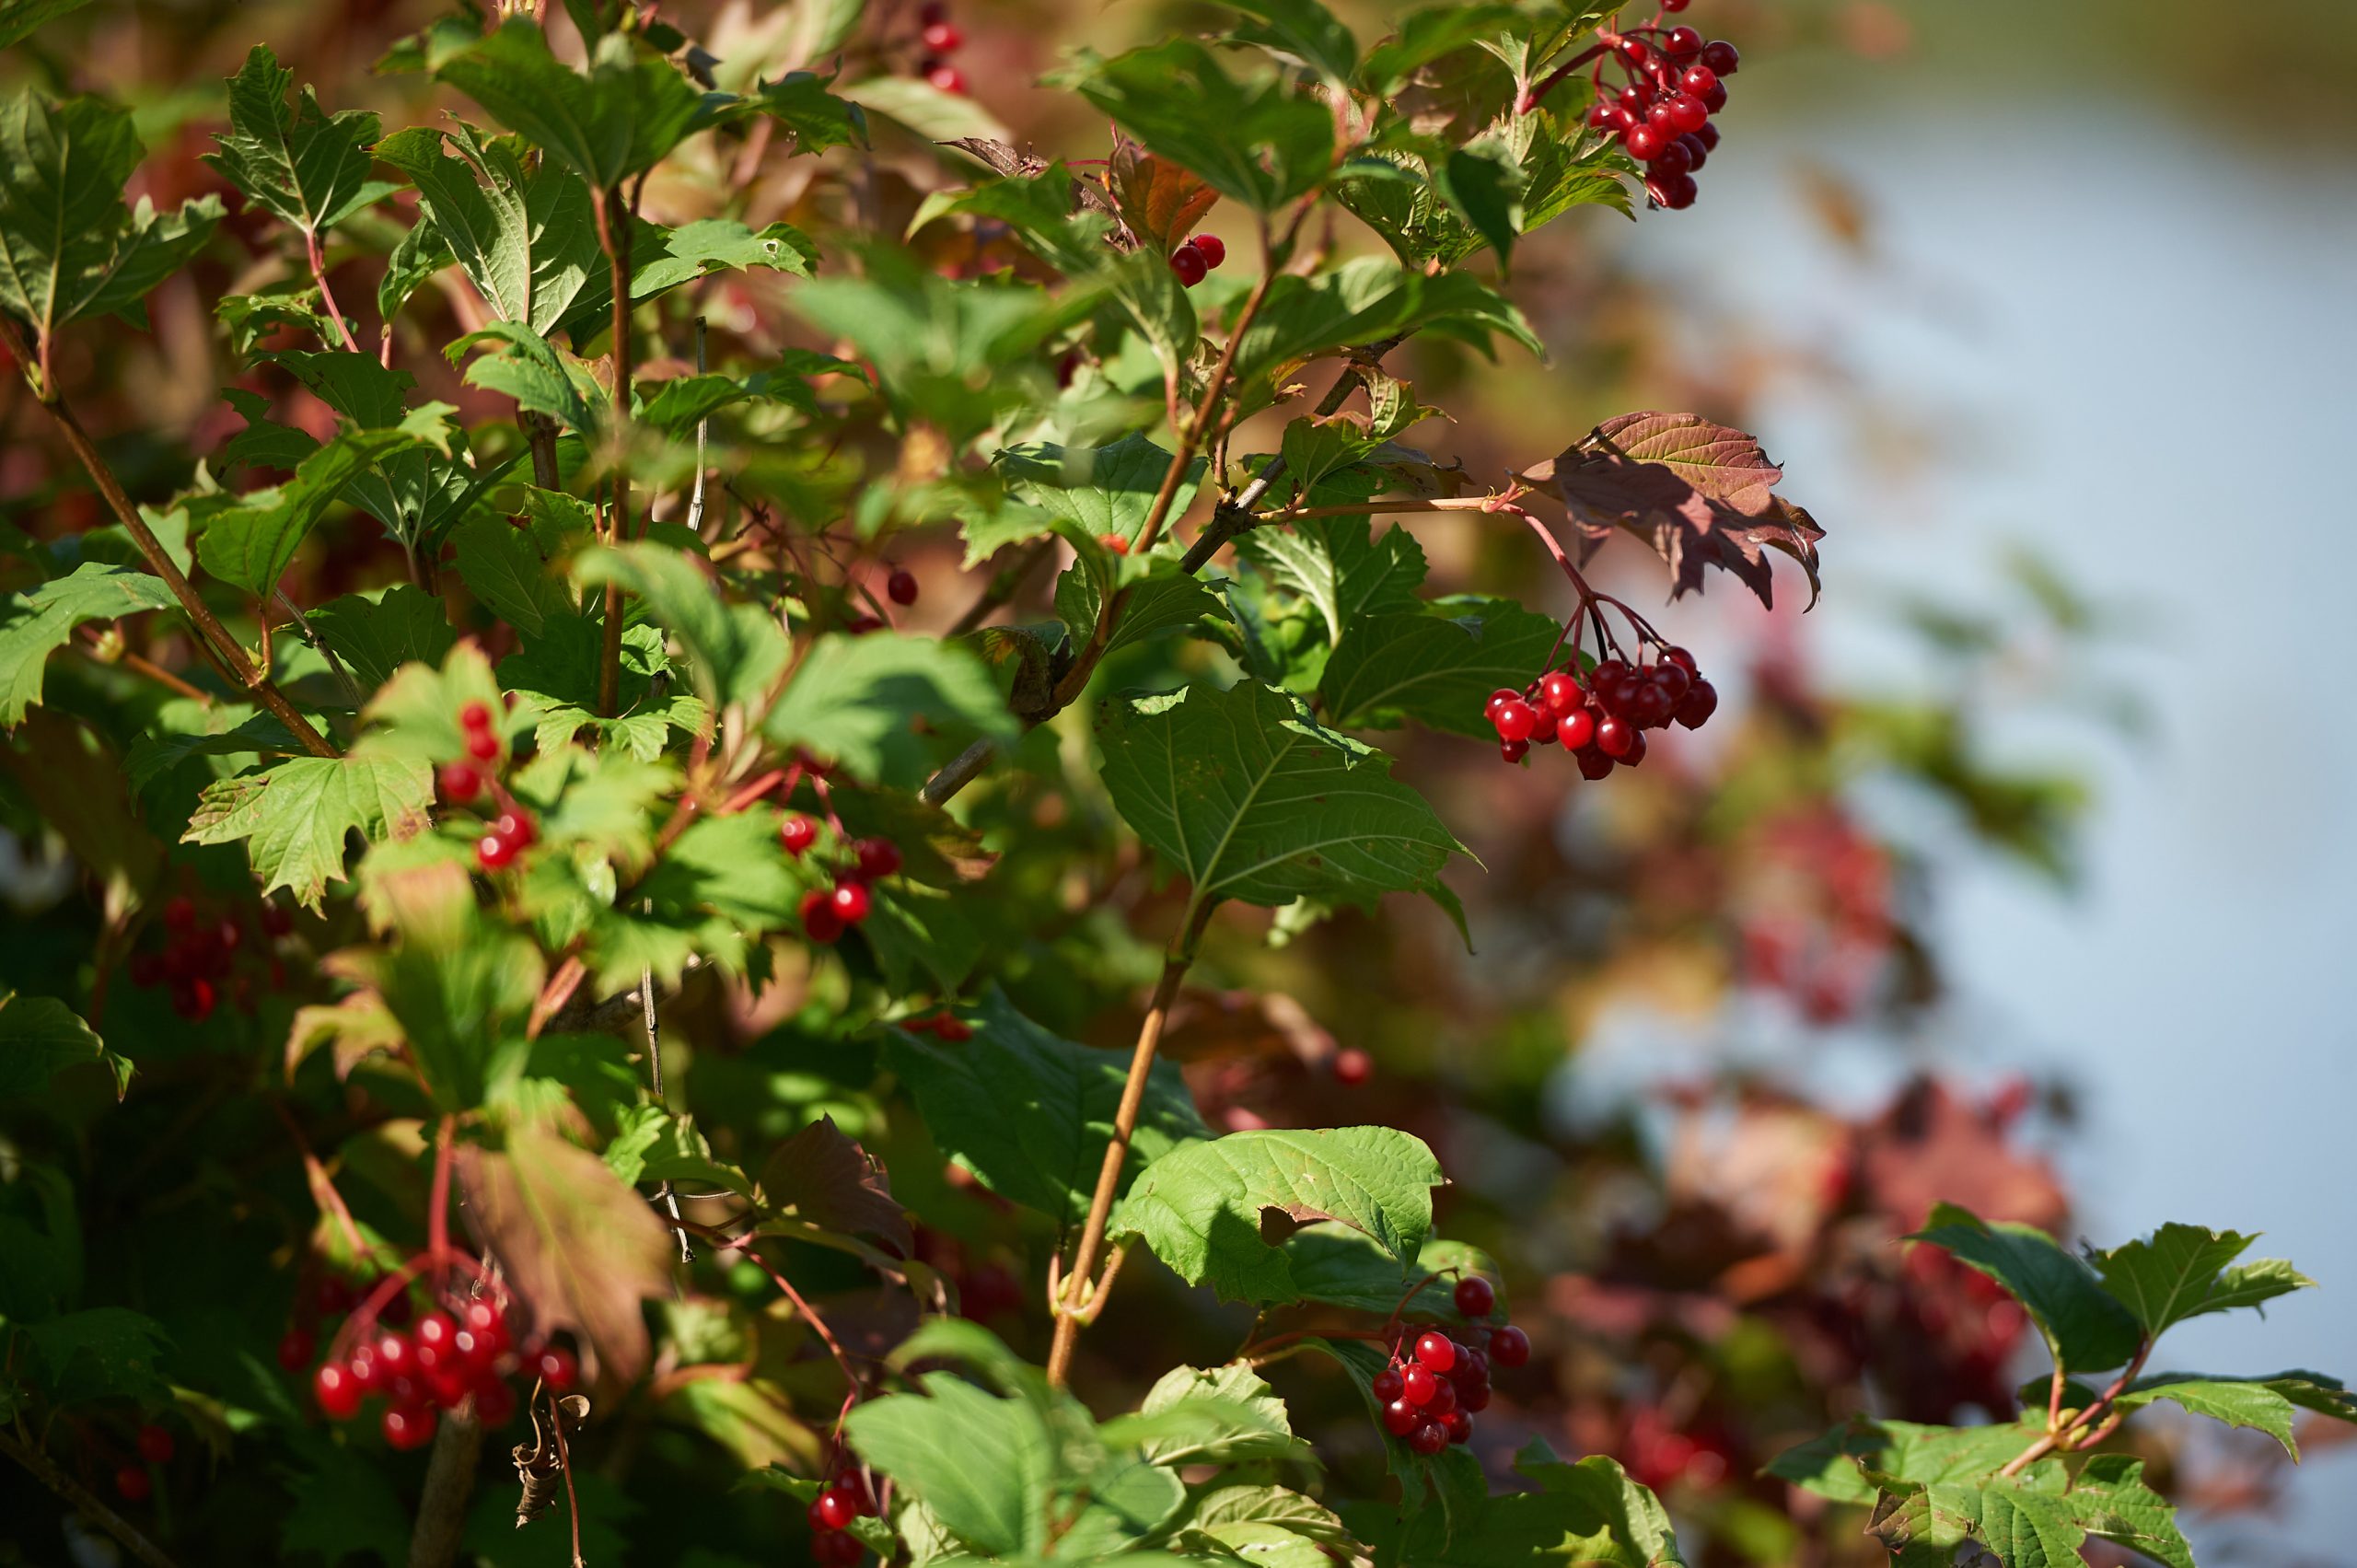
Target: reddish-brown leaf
x: 579, y: 1245
x: 1699, y: 493
x: 829, y: 1181
x: 1160, y: 202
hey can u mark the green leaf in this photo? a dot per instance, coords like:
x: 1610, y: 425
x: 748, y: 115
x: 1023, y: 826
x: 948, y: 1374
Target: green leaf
x: 1588, y: 1514
x: 1250, y: 798
x: 1364, y: 301
x: 677, y: 405
x: 526, y: 241
x: 819, y: 118
x: 533, y: 371
x: 1099, y: 490
x: 295, y: 816
x: 2039, y: 1519
x: 68, y: 247
x: 854, y: 699
x: 1157, y: 595
x: 1039, y: 208
x: 375, y: 633
x: 1221, y: 1416
x: 1270, y: 1505
x: 2084, y: 1327
x: 983, y: 1464
x: 103, y: 1353
x: 1305, y: 30
x: 2181, y: 1272
x: 1219, y: 1212
x: 1259, y: 142
x: 19, y: 17
x: 415, y: 492
x: 617, y: 119
x: 35, y: 625
x: 304, y: 167
x: 1340, y: 566
x: 1337, y: 1266
x: 1427, y: 35
x: 1484, y: 185
x: 555, y: 682
x: 2262, y: 1404
x: 1030, y: 1113
x: 250, y: 544
x: 735, y: 651
x: 502, y: 566
x: 41, y: 1037
x: 1437, y: 670
x: 1835, y: 1465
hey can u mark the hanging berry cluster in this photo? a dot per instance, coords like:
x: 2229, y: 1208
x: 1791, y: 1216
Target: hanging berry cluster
x: 512, y: 829
x: 940, y: 39
x: 1602, y: 723
x: 134, y: 1481
x: 1192, y: 261
x: 828, y: 912
x: 845, y: 1498
x: 205, y: 954
x: 451, y: 1356
x: 1672, y: 82
x: 1430, y: 1392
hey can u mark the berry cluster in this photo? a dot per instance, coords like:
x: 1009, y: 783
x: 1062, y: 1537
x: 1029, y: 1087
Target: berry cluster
x: 1675, y: 82
x: 1430, y: 1394
x: 512, y: 831
x: 199, y: 959
x: 941, y: 40
x: 1602, y: 723
x: 828, y: 912
x: 842, y: 1500
x: 449, y: 1358
x: 133, y: 1483
x: 1193, y: 260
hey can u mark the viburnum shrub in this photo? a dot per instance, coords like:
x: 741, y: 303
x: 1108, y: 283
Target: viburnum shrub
x: 651, y: 714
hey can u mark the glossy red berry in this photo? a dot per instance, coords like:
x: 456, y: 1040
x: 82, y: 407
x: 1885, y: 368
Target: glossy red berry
x: 1614, y: 735
x: 133, y: 1484
x: 1674, y: 679
x: 1188, y: 263
x: 1473, y: 1397
x: 797, y: 833
x: 1429, y: 1439
x: 850, y: 901
x: 1681, y: 659
x: 1649, y: 705
x: 1401, y: 1418
x: 1212, y: 248
x: 1509, y: 1346
x: 1675, y: 6
x: 942, y: 38
x: 1607, y: 117
x: 1460, y: 1426
x: 1497, y: 699
x: 1645, y: 141
x: 830, y: 1510
x: 1387, y: 1385
x: 475, y: 715
x: 394, y: 1357
x: 1475, y: 1296
x: 819, y: 920
x: 1675, y: 191
x: 1576, y: 728
x: 1721, y: 56
x: 1352, y: 1067
x: 1594, y: 764
x: 556, y: 1367
x: 1636, y: 751
x: 1688, y: 112
x: 1715, y: 100
x: 1681, y: 43
x: 518, y: 828
x: 1436, y: 1351
x: 496, y: 854
x: 1607, y: 675
x: 1702, y: 700
x: 1696, y: 153
x: 945, y: 78
x: 1699, y: 80
x: 1674, y: 159
x: 1443, y: 1401
x: 1512, y: 751
x: 1558, y: 693
x: 878, y: 857
x: 406, y: 1429
x: 1417, y: 1384
x: 1514, y: 719
x: 901, y: 587
x: 336, y: 1390
x: 1709, y: 136
x: 1636, y: 52
x: 155, y: 1444
x: 461, y: 782
x: 486, y: 1320
x: 434, y: 1331
x: 481, y: 745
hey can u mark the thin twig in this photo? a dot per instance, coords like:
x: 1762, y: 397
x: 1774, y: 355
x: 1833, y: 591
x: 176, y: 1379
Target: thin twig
x: 318, y: 644
x: 663, y: 1193
x: 84, y: 1503
x: 613, y: 235
x: 695, y: 498
x: 564, y: 1465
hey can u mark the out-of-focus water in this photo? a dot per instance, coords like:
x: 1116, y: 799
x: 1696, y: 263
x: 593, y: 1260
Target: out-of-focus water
x: 2136, y: 347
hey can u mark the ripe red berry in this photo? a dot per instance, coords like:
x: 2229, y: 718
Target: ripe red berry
x: 1118, y: 543
x: 878, y: 857
x: 1681, y: 43
x: 837, y: 1549
x: 1688, y: 112
x: 1715, y: 101
x: 1352, y: 1067
x: 1417, y: 1384
x: 1497, y: 699
x: 830, y: 1510
x: 406, y: 1429
x: 475, y: 715
x: 1675, y: 191
x: 338, y: 1394
x: 1709, y: 136
x: 850, y: 903
x: 1188, y: 264
x: 1674, y: 160
x: 1645, y: 141
x: 1615, y: 737
x: 942, y: 38
x: 1606, y: 675
x: 1475, y: 1296
x: 1212, y: 247
x: 1702, y: 700
x: 1545, y: 734
x: 1636, y: 52
x: 1699, y: 79
x: 1649, y: 705
x: 1429, y: 1439
x: 556, y: 1367
x: 1674, y: 679
x: 1436, y: 1351
x: 434, y: 1331
x: 1636, y: 751
x: 1460, y: 1426
x: 797, y: 833
x: 194, y: 999
x: 1605, y: 116
x: 133, y: 1484
x: 1696, y: 153
x: 1721, y: 56
x: 1387, y: 1385
x: 493, y: 852
x: 1576, y: 728
x: 945, y: 78
x: 1401, y: 1418
x: 1514, y: 719
x: 1512, y: 751
x: 1509, y: 1346
x: 395, y: 1357
x: 485, y: 1319
x: 819, y: 920
x: 1594, y: 764
x: 155, y: 1444
x: 1443, y: 1401
x: 1473, y: 1397
x: 1560, y: 694
x: 481, y: 745
x: 461, y: 782
x: 1674, y: 4
x: 901, y: 587
x: 518, y: 828
x: 1677, y: 655
x: 952, y: 1030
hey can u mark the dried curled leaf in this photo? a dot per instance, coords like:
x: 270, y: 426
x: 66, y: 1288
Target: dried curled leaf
x: 1702, y: 494
x: 1160, y: 200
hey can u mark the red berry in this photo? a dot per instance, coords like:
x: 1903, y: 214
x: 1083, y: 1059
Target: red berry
x: 1443, y: 1401
x: 1709, y: 136
x: 486, y: 1320
x: 1475, y: 1296
x: 1674, y: 159
x: 952, y: 1030
x: 1515, y: 719
x: 1606, y: 674
x: 830, y: 1510
x: 556, y: 1367
x: 1696, y: 153
x: 1721, y: 57
x: 1475, y: 1397
x: 1636, y: 751
x: 1649, y: 706
x: 131, y: 1482
x: 945, y: 78
x: 1676, y: 192
x: 1715, y: 101
x: 837, y: 1549
x: 850, y: 901
x: 155, y: 1444
x: 364, y: 1366
x: 1429, y: 1439
x: 1558, y: 693
x: 1212, y: 247
x: 1576, y: 728
x: 395, y: 1357
x: 1645, y: 141
x: 1512, y: 751
x: 1436, y: 1351
x: 1545, y: 734
x: 475, y: 715
x: 1387, y: 1385
x: 407, y: 1429
x: 1681, y: 43
x: 1674, y: 679
x: 797, y: 833
x: 1636, y: 52
x: 518, y: 828
x: 1676, y: 655
x: 1702, y: 700
x: 1688, y: 112
x: 493, y: 852
x: 435, y: 1331
x: 474, y: 1352
x: 1497, y: 699
x: 338, y: 1394
x: 1509, y: 1346
x: 1401, y: 1418
x: 1605, y: 116
x: 1417, y: 1383
x: 1118, y: 543
x: 1188, y: 264
x: 819, y: 920
x: 1352, y: 1067
x: 1461, y: 1428
x: 942, y: 38
x: 461, y: 782
x: 482, y: 744
x: 447, y: 1385
x: 193, y: 1000
x: 878, y: 858
x: 180, y: 913
x: 1674, y: 4
x: 494, y: 1403
x: 1699, y: 79
x: 901, y: 587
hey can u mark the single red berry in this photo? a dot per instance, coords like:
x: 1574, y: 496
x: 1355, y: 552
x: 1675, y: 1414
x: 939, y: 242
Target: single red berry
x: 1213, y: 248
x: 1702, y: 700
x: 474, y: 1352
x: 1401, y: 1418
x: 1674, y: 160
x: 1709, y: 136
x: 853, y: 1486
x: 494, y: 1403
x: 180, y: 913
x: 1681, y: 43
x: 519, y: 827
x: 1417, y: 1383
x: 1688, y: 112
x: 1614, y: 735
x: 364, y: 1366
x: 1514, y: 719
x: 1636, y: 52
x: 952, y: 1028
x: 878, y: 858
x: 1681, y: 659
x: 1188, y: 264
x: 1512, y: 751
x: 1674, y: 679
x: 1560, y: 694
x: 1509, y: 1346
x: 461, y: 782
x: 338, y: 1395
x: 1715, y: 100
x: 901, y: 587
x: 1676, y: 192
x: 1604, y: 116
x: 194, y: 999
x: 945, y: 78
x: 408, y: 1429
x: 1594, y: 764
x: 1475, y: 1296
x: 1436, y: 1351
x: 1606, y: 675
x: 493, y: 852
x: 1460, y: 1426
x: 850, y: 901
x: 1352, y: 1067
x: 1576, y: 728
x: 798, y: 832
x: 1497, y: 699
x: 1636, y: 751
x: 1674, y: 4
x: 1443, y: 1401
x: 481, y: 745
x: 860, y: 625
x: 1474, y: 1397
x: 446, y: 1384
x: 1429, y: 1438
x: 1721, y: 56
x: 132, y: 1483
x: 819, y: 920
x: 1699, y: 80
x: 1473, y: 1368
x: 942, y: 38
x: 485, y: 1319
x: 1387, y: 1385
x: 155, y: 1444
x: 395, y: 1356
x: 1545, y: 734
x: 1696, y: 153
x: 434, y: 1331
x: 1118, y: 543
x: 1649, y: 705
x: 556, y: 1367
x: 475, y: 715
x: 830, y: 1510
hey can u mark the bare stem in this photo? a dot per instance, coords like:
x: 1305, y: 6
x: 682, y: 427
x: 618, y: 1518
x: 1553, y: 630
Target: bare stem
x: 319, y: 261
x: 45, y: 1471
x: 613, y: 232
x: 441, y: 1524
x: 2089, y: 1426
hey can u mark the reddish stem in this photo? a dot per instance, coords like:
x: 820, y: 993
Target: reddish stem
x: 327, y: 296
